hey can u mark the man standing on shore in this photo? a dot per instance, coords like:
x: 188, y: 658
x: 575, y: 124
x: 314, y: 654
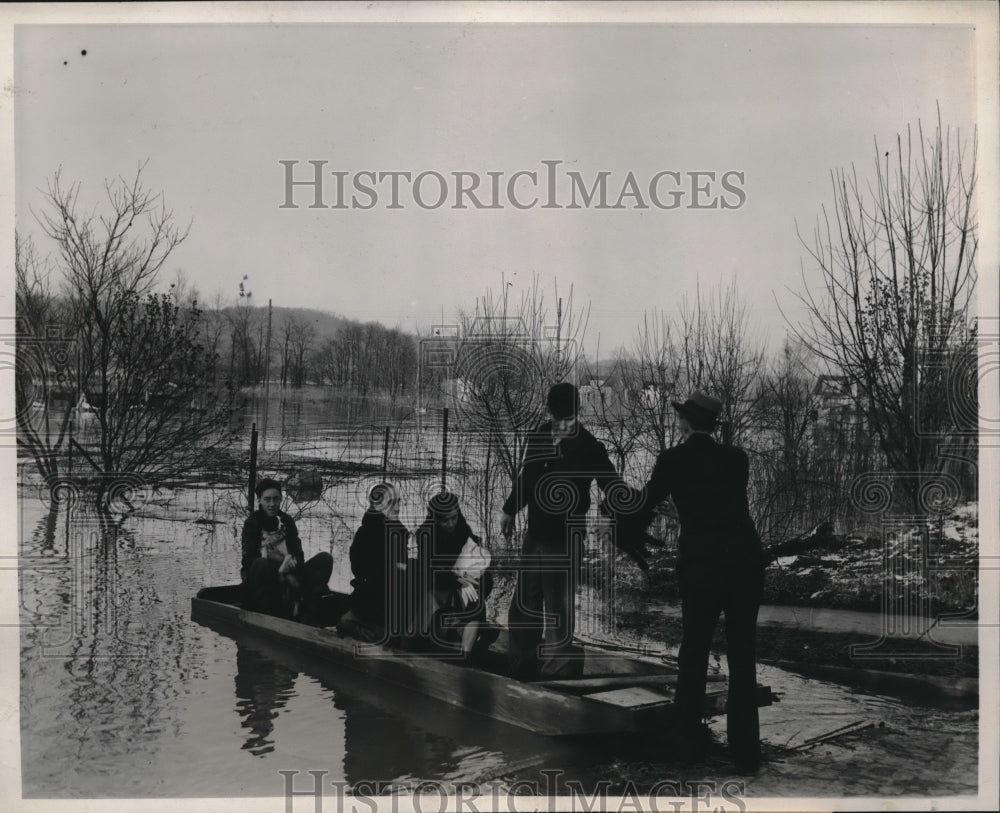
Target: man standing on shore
x: 560, y: 462
x: 720, y: 568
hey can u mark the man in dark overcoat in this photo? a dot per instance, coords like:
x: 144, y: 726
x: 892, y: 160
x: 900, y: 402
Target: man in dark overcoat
x: 720, y: 569
x: 561, y: 460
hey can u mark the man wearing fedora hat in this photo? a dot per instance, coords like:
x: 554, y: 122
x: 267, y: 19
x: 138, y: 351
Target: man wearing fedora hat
x: 720, y: 569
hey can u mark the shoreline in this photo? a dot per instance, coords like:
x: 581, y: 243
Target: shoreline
x: 812, y: 642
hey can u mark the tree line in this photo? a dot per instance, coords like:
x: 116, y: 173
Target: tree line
x: 871, y: 397
x: 870, y: 403
x: 303, y: 347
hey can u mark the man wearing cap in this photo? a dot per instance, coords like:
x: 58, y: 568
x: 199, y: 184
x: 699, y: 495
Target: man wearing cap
x: 720, y: 568
x: 561, y: 459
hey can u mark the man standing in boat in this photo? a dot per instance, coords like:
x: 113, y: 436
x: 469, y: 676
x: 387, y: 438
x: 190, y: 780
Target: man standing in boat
x: 561, y: 460
x: 720, y: 568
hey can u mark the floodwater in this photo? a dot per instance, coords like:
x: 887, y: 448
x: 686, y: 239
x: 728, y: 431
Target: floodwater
x: 122, y: 695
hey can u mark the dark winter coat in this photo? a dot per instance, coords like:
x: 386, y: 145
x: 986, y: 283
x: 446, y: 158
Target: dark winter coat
x: 253, y: 535
x: 554, y: 483
x: 378, y: 546
x: 438, y: 550
x: 708, y: 484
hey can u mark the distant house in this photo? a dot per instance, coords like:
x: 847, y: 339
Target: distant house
x: 590, y: 393
x: 835, y: 400
x: 600, y: 396
x: 656, y: 393
x: 835, y: 415
x: 455, y: 390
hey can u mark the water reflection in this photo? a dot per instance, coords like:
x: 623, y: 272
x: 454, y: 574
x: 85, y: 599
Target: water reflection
x: 105, y: 661
x: 381, y: 745
x: 293, y: 417
x: 263, y: 687
x: 388, y: 733
x: 122, y: 695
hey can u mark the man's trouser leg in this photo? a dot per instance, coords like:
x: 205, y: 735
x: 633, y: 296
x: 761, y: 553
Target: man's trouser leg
x: 524, y: 620
x: 263, y: 589
x: 314, y: 577
x: 315, y: 574
x: 560, y: 659
x: 743, y: 589
x: 700, y: 609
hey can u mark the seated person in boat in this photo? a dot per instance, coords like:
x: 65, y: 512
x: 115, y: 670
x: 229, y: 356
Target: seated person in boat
x: 452, y: 578
x: 378, y: 562
x: 276, y: 577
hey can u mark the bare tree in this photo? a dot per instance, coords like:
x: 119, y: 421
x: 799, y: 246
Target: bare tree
x: 509, y: 354
x: 719, y: 352
x: 607, y: 407
x: 788, y: 421
x: 45, y: 374
x: 400, y: 361
x: 159, y: 416
x: 352, y: 344
x: 137, y: 358
x: 213, y: 327
x: 708, y: 345
x: 652, y: 381
x: 247, y: 342
x: 184, y: 292
x: 327, y: 363
x: 891, y: 309
x: 511, y: 349
x: 297, y: 335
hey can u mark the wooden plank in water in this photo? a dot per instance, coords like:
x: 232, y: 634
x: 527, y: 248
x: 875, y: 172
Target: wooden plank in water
x: 597, y: 682
x: 630, y: 697
x: 716, y: 697
x: 599, y: 662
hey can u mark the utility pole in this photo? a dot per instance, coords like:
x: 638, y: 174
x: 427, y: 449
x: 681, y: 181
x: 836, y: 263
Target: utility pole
x: 267, y: 375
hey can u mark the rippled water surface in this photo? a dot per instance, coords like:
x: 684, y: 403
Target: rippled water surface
x: 122, y: 695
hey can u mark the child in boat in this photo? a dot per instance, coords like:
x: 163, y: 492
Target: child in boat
x: 276, y: 578
x: 452, y: 571
x: 378, y: 562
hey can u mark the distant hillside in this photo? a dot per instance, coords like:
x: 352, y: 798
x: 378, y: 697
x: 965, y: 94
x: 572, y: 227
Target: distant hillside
x: 325, y: 323
x: 307, y: 345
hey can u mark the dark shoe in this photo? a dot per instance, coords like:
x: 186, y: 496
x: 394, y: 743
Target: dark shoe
x: 688, y: 747
x: 683, y: 753
x: 746, y: 762
x: 747, y: 768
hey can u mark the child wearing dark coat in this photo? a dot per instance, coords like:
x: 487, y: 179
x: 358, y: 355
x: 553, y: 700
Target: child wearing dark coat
x: 378, y: 563
x: 457, y: 598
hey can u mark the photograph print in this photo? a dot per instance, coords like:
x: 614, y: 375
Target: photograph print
x: 483, y: 407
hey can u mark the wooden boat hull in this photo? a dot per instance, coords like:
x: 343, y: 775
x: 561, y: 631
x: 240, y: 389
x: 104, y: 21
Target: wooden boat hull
x: 616, y: 695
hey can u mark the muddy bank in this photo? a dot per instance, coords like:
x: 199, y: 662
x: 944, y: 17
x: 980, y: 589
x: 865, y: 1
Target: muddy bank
x: 814, y: 648
x: 933, y: 564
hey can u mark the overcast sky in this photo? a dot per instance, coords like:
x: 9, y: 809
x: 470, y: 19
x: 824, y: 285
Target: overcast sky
x: 214, y: 109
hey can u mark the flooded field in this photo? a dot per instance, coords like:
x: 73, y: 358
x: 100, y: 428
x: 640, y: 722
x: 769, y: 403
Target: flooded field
x: 123, y: 696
